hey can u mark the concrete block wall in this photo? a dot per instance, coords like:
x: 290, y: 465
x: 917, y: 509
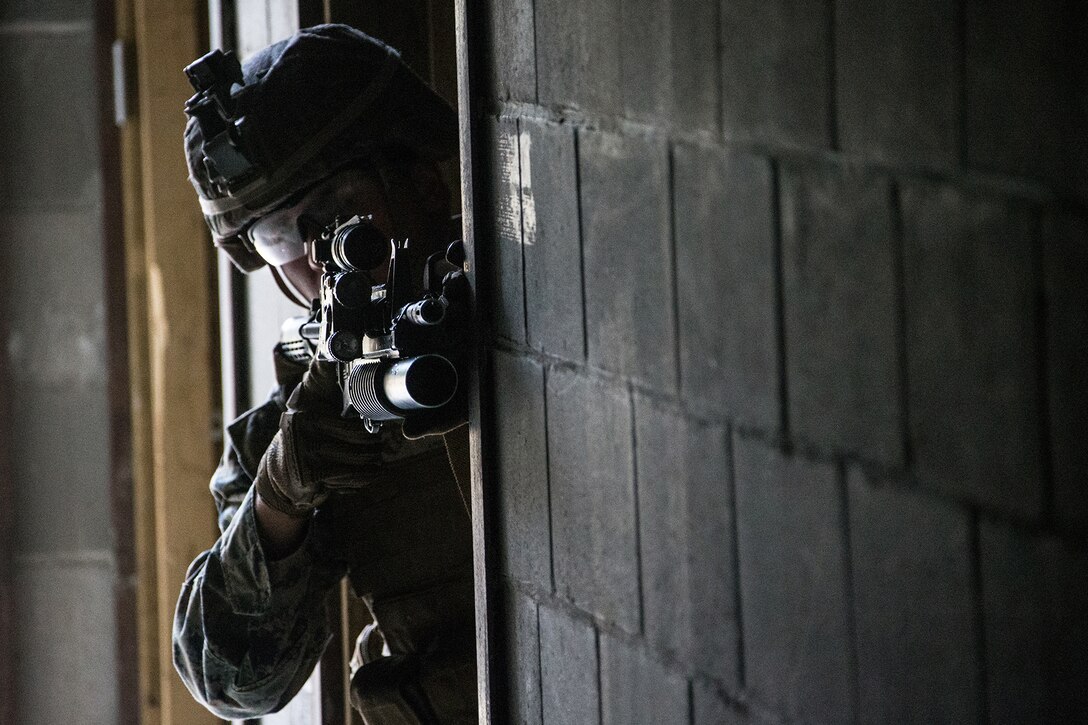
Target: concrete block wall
x: 54, y: 303
x: 788, y: 358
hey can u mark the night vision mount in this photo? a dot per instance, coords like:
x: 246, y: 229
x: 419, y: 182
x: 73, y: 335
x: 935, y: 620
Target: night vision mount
x: 214, y: 77
x: 394, y: 347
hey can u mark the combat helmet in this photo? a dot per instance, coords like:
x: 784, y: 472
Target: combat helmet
x: 260, y: 134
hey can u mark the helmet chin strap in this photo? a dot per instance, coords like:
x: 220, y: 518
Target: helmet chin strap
x: 288, y: 289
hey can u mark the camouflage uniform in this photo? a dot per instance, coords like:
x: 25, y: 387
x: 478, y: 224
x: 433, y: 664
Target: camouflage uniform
x: 248, y: 631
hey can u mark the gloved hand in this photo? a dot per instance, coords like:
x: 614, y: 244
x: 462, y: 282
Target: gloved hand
x: 316, y: 451
x: 453, y: 414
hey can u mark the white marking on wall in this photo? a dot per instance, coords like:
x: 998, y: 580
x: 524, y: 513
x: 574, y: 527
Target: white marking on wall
x: 509, y: 201
x: 528, y: 204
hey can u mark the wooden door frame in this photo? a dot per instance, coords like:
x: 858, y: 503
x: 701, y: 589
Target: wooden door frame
x: 472, y: 47
x: 169, y: 344
x: 118, y: 380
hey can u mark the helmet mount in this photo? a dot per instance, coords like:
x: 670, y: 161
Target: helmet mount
x: 214, y: 77
x: 295, y: 113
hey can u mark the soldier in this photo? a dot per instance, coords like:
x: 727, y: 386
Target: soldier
x: 328, y: 123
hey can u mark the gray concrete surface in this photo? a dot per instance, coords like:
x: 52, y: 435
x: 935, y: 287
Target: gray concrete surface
x: 832, y: 260
x: 52, y: 294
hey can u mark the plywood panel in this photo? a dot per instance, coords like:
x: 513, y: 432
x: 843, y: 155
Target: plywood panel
x: 474, y: 163
x: 170, y: 277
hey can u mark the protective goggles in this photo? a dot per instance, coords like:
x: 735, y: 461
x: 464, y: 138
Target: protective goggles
x: 281, y: 236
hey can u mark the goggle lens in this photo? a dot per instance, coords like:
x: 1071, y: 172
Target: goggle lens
x: 279, y: 237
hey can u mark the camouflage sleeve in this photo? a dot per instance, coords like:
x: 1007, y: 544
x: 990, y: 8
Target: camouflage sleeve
x: 247, y: 437
x: 248, y: 631
x: 229, y: 486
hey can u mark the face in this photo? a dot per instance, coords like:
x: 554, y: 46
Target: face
x: 283, y: 237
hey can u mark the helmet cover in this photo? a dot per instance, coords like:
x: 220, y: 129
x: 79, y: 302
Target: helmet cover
x: 324, y: 98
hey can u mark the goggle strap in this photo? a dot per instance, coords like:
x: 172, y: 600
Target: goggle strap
x: 290, y: 292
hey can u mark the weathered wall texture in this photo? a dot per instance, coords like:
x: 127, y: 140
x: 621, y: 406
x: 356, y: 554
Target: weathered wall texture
x: 53, y: 301
x: 789, y: 355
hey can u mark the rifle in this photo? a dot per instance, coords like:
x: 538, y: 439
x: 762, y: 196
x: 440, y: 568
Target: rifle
x: 395, y: 347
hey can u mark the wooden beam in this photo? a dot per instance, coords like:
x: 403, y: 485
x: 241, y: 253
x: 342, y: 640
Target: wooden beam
x: 118, y: 382
x: 473, y: 169
x: 172, y: 339
x: 143, y: 520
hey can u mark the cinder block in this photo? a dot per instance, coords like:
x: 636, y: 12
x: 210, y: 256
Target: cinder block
x: 711, y: 707
x: 776, y: 72
x: 794, y: 605
x: 593, y: 499
x: 686, y: 539
x: 726, y: 285
x: 64, y: 615
x: 636, y: 689
x: 521, y: 650
x: 522, y: 466
x: 505, y: 251
x: 646, y: 58
x: 49, y: 158
x: 1021, y: 87
x: 512, y: 60
x: 696, y: 93
x: 568, y: 669
x: 1035, y: 593
x: 61, y: 464
x: 970, y: 279
x: 553, y: 245
x: 1066, y: 253
x: 841, y: 311
x: 52, y: 292
x: 578, y: 55
x: 57, y: 341
x: 897, y: 80
x: 64, y: 13
x: 627, y: 252
x: 667, y: 53
x: 914, y: 607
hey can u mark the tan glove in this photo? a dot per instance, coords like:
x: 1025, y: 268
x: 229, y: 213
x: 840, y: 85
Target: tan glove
x: 316, y: 451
